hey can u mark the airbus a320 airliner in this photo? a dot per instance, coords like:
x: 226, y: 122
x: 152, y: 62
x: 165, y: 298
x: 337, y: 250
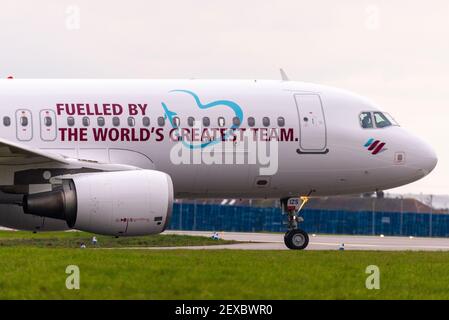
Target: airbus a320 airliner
x: 110, y: 156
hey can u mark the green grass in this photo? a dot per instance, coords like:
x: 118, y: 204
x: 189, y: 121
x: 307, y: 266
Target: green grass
x: 39, y: 273
x: 74, y: 240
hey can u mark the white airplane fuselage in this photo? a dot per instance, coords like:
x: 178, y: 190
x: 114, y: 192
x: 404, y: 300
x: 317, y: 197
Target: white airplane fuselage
x: 322, y: 145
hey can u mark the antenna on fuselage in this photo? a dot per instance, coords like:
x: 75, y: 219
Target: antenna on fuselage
x: 284, y: 75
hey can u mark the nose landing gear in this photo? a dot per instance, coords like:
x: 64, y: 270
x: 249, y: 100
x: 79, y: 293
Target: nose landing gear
x: 295, y: 238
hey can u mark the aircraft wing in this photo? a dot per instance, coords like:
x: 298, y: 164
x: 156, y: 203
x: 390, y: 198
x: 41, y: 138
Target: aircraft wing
x: 13, y: 154
x: 16, y: 154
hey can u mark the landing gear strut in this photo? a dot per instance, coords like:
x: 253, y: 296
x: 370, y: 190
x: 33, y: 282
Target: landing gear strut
x: 295, y: 238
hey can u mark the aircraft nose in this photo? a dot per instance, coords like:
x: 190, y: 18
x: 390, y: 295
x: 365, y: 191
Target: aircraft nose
x: 428, y: 159
x: 432, y: 160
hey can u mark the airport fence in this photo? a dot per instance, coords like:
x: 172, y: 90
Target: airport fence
x: 213, y: 217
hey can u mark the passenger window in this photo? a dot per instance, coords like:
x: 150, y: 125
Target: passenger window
x: 281, y: 121
x: 381, y: 120
x: 101, y: 122
x: 131, y: 122
x: 146, y: 121
x: 161, y: 121
x: 251, y: 122
x: 48, y: 121
x: 221, y: 121
x: 6, y: 121
x: 191, y: 121
x: 206, y: 122
x: 116, y: 121
x: 24, y: 121
x: 86, y: 121
x: 366, y: 120
x: 70, y: 121
x: 176, y: 122
x: 266, y: 121
x: 236, y: 121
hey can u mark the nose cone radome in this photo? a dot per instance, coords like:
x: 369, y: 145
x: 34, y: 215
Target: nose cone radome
x: 430, y: 159
x: 425, y: 157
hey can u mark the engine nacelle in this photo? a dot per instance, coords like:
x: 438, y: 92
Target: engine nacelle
x: 123, y: 203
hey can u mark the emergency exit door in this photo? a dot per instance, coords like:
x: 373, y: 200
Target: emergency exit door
x: 312, y: 124
x: 48, y: 125
x: 24, y: 125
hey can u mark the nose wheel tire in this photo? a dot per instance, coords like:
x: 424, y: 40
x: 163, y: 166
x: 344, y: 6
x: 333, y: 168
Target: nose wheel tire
x: 296, y: 239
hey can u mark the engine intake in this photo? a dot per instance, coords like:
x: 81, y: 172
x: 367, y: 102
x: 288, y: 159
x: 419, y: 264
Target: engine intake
x: 125, y: 203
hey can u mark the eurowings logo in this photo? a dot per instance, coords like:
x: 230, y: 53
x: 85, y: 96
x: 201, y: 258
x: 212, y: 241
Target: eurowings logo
x: 375, y: 146
x: 227, y: 103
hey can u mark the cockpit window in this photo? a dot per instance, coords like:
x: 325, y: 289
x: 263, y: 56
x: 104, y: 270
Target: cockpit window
x: 383, y: 120
x: 366, y: 121
x: 391, y: 119
x: 376, y: 119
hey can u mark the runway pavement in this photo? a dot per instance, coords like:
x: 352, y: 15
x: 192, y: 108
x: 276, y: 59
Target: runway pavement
x: 274, y: 241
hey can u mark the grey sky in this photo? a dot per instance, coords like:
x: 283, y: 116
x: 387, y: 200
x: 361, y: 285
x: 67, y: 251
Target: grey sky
x: 394, y: 52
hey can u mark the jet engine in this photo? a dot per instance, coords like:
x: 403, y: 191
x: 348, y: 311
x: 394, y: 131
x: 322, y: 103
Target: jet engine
x: 123, y: 203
